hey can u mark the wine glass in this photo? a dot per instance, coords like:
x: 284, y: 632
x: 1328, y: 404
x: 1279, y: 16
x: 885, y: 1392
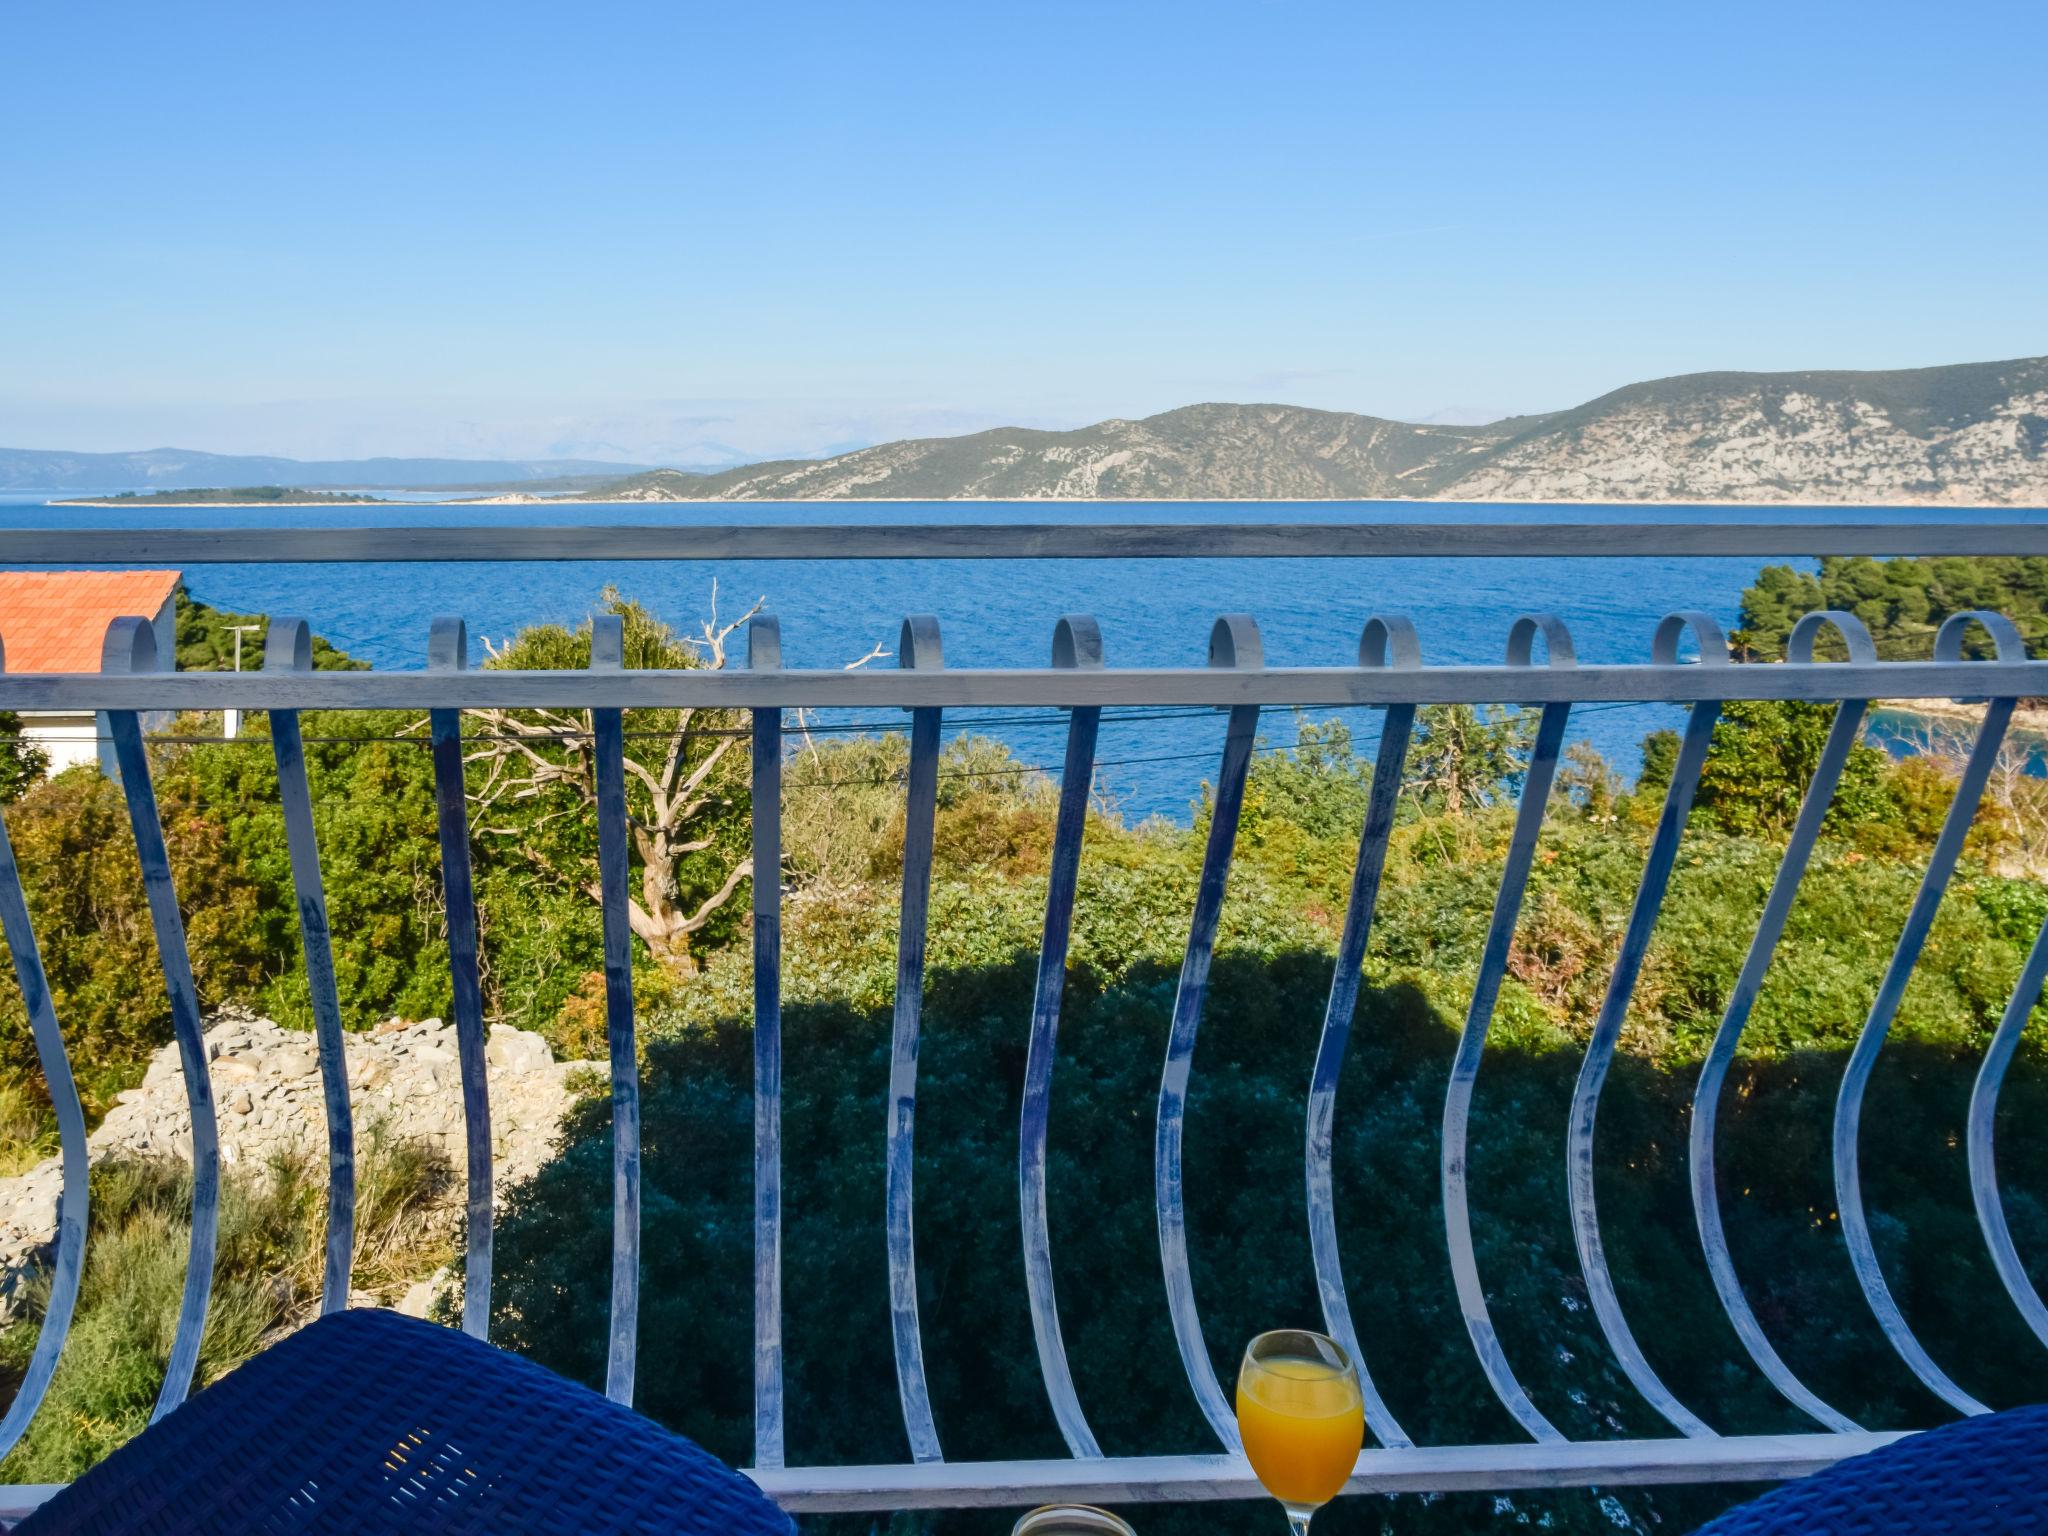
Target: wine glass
x: 1301, y: 1417
x: 1070, y: 1520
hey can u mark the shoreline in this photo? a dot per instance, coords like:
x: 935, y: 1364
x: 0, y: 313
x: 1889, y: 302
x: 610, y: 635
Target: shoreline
x: 2027, y: 719
x: 520, y: 499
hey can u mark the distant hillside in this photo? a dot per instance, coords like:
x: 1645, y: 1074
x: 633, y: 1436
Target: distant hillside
x: 1280, y: 452
x: 1971, y: 434
x: 48, y: 470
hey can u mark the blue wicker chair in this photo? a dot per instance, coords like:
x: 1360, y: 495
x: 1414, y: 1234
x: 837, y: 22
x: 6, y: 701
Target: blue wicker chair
x: 370, y: 1423
x: 1985, y: 1476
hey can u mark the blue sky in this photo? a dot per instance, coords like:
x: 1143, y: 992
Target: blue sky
x: 675, y: 230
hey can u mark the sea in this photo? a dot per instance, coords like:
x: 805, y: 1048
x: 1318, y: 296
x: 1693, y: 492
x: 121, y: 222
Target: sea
x: 1002, y: 613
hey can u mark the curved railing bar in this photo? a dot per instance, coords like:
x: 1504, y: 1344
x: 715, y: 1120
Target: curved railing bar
x: 1493, y: 964
x: 1387, y: 641
x: 614, y: 859
x: 288, y: 647
x: 130, y: 647
x: 1984, y: 1194
x: 1076, y: 643
x: 448, y: 651
x: 764, y: 654
x: 1621, y: 985
x: 1233, y: 643
x: 1948, y: 847
x: 72, y: 1200
x: 918, y: 648
x: 1706, y: 1098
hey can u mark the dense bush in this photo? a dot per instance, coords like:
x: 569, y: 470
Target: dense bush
x: 1764, y: 755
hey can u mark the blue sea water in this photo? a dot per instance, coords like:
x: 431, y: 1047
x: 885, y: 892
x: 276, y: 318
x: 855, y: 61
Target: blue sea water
x: 1001, y: 613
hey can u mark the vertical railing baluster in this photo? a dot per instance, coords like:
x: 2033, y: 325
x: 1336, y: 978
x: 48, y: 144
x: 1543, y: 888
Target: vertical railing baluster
x: 131, y: 648
x: 1493, y: 964
x: 1387, y: 642
x: 1948, y: 847
x: 289, y: 648
x: 1621, y: 986
x: 2005, y: 1040
x: 448, y: 651
x: 1077, y: 644
x: 614, y: 859
x: 73, y: 1197
x: 1706, y: 1099
x: 1234, y: 644
x: 764, y: 654
x: 918, y: 649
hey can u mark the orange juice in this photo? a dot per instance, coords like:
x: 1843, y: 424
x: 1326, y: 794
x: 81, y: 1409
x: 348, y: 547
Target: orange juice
x: 1302, y: 1423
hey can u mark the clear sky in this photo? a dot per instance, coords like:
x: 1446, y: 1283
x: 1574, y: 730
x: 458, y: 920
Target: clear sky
x: 683, y: 229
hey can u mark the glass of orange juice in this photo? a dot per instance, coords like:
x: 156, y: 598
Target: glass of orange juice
x: 1301, y: 1417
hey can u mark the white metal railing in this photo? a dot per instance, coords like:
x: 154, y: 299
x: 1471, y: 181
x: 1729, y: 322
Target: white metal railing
x: 1387, y: 671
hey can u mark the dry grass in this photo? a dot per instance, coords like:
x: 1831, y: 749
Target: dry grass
x: 266, y: 1281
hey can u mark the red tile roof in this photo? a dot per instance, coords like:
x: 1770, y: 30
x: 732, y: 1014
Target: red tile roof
x: 55, y: 621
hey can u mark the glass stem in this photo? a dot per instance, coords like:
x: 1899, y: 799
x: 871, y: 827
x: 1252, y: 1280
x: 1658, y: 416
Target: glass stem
x: 1298, y: 1517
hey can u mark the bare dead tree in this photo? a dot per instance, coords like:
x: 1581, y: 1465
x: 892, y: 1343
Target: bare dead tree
x: 686, y: 772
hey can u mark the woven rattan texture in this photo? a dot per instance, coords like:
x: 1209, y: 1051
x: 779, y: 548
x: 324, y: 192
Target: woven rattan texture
x: 1986, y: 1476
x: 369, y: 1423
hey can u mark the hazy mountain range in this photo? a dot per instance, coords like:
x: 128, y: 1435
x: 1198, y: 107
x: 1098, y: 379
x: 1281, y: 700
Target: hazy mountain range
x: 176, y: 468
x: 1973, y: 434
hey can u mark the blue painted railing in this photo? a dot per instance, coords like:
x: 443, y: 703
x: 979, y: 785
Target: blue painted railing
x: 1387, y: 672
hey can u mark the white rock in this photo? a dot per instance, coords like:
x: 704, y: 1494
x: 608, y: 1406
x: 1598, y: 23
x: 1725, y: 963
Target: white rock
x: 517, y: 1051
x: 419, y: 1297
x: 403, y: 1076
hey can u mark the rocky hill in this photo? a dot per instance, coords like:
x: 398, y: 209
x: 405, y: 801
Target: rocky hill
x: 1975, y: 434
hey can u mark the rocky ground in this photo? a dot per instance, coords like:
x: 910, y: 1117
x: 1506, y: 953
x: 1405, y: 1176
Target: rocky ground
x: 404, y: 1083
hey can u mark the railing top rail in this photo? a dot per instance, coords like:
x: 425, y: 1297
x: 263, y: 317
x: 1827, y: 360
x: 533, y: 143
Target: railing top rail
x: 1015, y: 541
x: 1023, y: 688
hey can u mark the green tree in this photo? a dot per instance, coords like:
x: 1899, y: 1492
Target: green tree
x: 1902, y: 602
x: 206, y: 640
x: 22, y: 762
x: 1465, y: 757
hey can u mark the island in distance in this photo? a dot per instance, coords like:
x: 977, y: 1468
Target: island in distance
x: 232, y: 496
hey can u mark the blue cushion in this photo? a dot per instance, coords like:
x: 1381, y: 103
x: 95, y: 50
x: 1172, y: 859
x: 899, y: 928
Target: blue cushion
x: 368, y: 1422
x: 1983, y: 1476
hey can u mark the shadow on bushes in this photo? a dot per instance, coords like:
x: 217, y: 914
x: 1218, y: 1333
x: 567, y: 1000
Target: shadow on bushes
x: 1249, y: 1238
